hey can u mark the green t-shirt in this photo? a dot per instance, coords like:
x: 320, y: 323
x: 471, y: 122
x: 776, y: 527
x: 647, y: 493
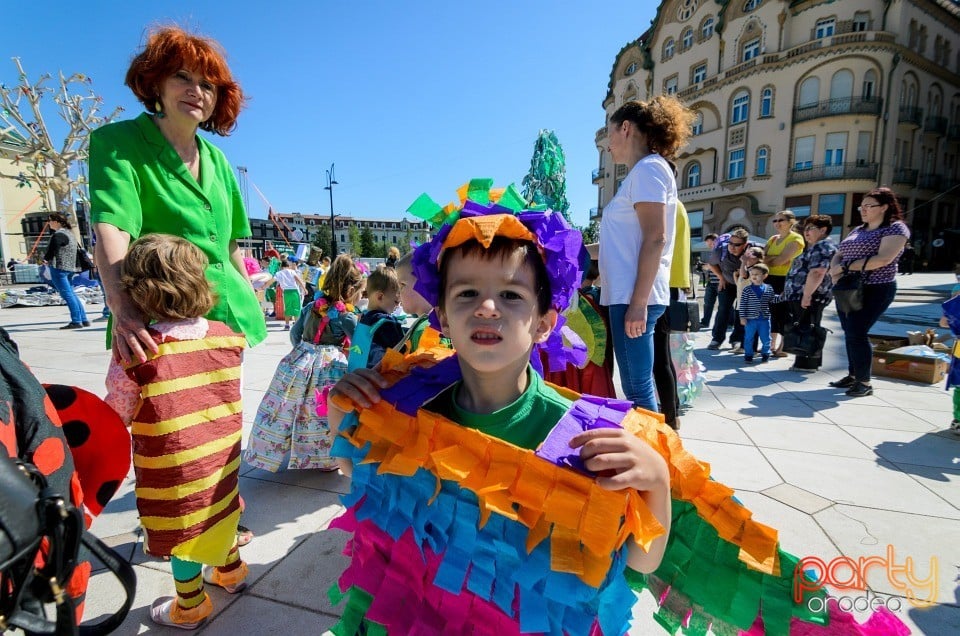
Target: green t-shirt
x: 140, y: 185
x: 524, y: 423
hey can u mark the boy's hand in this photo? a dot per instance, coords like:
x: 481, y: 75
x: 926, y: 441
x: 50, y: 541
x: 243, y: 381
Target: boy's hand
x: 621, y: 459
x: 362, y: 386
x: 743, y: 321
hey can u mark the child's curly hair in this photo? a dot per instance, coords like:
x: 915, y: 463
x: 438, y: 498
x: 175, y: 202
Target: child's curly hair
x: 343, y: 279
x: 164, y: 276
x: 664, y: 120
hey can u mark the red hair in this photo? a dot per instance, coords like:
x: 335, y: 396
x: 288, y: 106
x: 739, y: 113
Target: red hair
x: 171, y: 49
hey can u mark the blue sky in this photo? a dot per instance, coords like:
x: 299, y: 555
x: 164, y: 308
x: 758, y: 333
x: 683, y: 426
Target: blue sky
x: 405, y: 97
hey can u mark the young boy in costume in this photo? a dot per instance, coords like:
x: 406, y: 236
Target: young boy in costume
x: 378, y: 324
x: 485, y: 501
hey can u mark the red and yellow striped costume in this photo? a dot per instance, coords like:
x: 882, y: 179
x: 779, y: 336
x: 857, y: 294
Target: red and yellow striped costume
x: 186, y: 445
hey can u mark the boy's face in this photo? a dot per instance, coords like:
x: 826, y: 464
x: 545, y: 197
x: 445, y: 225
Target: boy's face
x: 757, y: 276
x: 387, y: 301
x: 750, y: 258
x: 491, y: 313
x: 410, y: 299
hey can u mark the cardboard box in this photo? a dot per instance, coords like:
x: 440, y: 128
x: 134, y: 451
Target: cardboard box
x: 904, y: 367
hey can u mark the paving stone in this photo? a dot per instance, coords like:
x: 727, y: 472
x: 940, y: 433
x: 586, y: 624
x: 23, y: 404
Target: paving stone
x: 257, y: 615
x: 798, y: 498
x: 712, y: 427
x: 810, y: 437
x: 902, y: 447
x: 727, y: 462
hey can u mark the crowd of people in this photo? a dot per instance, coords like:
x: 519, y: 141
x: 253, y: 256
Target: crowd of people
x: 451, y: 341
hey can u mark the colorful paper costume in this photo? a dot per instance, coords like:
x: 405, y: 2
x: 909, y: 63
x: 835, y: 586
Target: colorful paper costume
x: 458, y: 532
x: 951, y: 309
x: 186, y: 429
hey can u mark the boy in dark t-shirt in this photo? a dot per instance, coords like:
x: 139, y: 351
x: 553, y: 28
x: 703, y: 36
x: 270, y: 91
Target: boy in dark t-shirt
x: 383, y: 329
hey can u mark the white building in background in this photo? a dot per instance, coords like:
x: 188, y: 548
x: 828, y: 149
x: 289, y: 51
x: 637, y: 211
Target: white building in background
x: 806, y: 105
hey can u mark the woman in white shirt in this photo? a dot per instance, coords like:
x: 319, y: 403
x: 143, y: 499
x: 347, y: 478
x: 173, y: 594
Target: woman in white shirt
x: 636, y: 234
x: 291, y: 286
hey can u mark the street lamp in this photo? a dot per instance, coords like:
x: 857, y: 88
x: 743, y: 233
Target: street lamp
x: 332, y: 181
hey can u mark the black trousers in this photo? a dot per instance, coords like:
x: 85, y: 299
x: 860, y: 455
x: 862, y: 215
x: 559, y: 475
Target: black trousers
x: 664, y: 374
x: 812, y: 315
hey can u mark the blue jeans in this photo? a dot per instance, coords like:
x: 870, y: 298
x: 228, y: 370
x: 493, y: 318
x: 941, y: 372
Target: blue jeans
x: 60, y: 278
x: 634, y: 356
x: 756, y: 327
x: 857, y: 324
x: 725, y: 313
x: 709, y: 300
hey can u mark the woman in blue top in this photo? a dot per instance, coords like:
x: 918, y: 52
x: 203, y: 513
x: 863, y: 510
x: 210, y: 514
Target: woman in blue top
x: 636, y: 234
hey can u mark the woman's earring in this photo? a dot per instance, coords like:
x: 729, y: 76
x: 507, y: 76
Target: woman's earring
x: 158, y: 109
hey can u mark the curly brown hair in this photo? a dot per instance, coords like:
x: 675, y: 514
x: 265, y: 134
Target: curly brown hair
x: 164, y: 276
x: 886, y: 196
x: 343, y: 279
x: 664, y: 120
x: 170, y: 49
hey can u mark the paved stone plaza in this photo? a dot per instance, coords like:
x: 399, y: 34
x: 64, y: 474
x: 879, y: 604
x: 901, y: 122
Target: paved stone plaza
x: 836, y: 475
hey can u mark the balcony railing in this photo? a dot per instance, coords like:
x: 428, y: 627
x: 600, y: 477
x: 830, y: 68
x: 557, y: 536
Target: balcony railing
x: 936, y: 125
x: 929, y: 181
x: 832, y: 172
x: 907, y: 176
x: 595, y: 213
x: 601, y: 135
x: 597, y: 174
x: 621, y: 171
x: 911, y: 115
x: 838, y: 106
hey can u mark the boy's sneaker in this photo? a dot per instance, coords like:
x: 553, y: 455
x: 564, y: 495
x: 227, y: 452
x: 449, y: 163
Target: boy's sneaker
x: 748, y: 359
x: 714, y: 345
x: 166, y: 611
x: 736, y: 348
x: 765, y: 357
x: 955, y: 427
x: 232, y: 582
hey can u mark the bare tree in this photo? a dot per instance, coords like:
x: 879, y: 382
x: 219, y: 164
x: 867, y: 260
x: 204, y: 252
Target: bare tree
x: 26, y: 139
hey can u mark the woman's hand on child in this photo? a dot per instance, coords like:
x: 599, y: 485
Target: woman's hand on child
x: 362, y: 386
x: 621, y: 459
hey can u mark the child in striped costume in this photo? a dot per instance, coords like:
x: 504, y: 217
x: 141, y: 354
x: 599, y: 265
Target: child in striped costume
x: 184, y: 409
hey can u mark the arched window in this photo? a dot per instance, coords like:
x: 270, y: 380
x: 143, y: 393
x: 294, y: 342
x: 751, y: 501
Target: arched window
x: 766, y: 102
x: 741, y: 107
x: 750, y: 5
x: 693, y: 174
x: 687, y: 38
x: 809, y: 92
x: 841, y: 84
x: 697, y: 128
x: 706, y: 29
x: 869, y: 85
x: 763, y: 159
x: 668, y: 48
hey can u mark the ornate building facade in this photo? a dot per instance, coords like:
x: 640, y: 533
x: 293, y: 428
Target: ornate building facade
x: 805, y: 105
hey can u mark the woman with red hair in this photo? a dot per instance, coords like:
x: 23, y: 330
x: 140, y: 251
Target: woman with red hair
x: 155, y: 174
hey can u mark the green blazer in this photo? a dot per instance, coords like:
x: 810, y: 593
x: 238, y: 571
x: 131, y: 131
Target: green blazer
x: 140, y: 185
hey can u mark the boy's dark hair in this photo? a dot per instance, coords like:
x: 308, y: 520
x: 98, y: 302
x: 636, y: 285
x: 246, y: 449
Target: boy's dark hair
x: 501, y: 248
x: 383, y: 279
x: 593, y: 272
x: 762, y: 267
x: 710, y: 237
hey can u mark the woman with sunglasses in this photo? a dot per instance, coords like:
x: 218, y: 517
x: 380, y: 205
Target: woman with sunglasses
x: 782, y: 248
x: 872, y: 248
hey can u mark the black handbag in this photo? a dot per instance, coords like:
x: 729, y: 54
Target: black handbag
x: 804, y: 339
x: 684, y: 315
x: 84, y: 262
x: 30, y: 512
x: 849, y: 290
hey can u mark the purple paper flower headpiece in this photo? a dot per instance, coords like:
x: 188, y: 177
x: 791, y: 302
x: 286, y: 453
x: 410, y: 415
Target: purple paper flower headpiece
x: 557, y: 242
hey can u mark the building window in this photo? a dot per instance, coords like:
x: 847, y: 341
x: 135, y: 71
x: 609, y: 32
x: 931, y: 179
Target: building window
x: 695, y: 221
x: 766, y: 102
x: 824, y: 28
x: 741, y: 107
x: 343, y: 238
x: 668, y: 48
x: 803, y: 153
x: 706, y: 30
x: 693, y: 174
x: 697, y: 128
x: 751, y: 50
x: 869, y: 84
x: 631, y: 69
x: 861, y: 21
x: 699, y: 73
x: 735, y: 164
x: 832, y: 205
x: 750, y: 5
x: 763, y: 156
x: 686, y: 10
x: 670, y: 86
x: 687, y: 41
